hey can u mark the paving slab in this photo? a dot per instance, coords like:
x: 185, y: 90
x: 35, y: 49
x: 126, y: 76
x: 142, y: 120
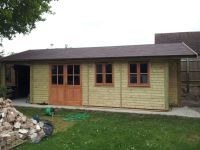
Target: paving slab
x: 175, y: 111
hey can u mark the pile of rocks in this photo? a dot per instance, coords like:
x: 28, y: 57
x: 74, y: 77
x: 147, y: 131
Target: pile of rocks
x: 16, y: 126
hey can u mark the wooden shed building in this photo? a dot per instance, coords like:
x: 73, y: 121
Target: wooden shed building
x: 134, y: 76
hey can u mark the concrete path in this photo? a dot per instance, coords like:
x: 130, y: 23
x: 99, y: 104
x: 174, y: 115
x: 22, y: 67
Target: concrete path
x: 175, y: 111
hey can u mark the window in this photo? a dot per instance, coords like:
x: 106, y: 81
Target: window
x: 139, y: 74
x: 104, y: 74
x: 99, y: 73
x: 57, y: 74
x: 73, y: 74
x: 10, y: 74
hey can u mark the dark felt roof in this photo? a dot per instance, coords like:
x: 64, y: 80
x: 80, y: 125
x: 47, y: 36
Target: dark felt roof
x: 192, y: 39
x: 131, y: 51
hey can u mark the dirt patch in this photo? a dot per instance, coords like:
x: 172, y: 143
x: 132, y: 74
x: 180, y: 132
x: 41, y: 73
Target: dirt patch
x: 59, y: 123
x: 193, y: 138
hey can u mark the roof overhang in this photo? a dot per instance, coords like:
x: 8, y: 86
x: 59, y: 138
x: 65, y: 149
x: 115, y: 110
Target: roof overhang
x: 151, y: 51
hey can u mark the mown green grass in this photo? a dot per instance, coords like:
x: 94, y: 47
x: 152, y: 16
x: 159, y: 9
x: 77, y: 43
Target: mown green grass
x: 116, y: 131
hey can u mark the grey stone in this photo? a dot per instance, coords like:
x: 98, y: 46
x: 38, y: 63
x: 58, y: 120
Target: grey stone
x: 34, y: 121
x: 41, y: 124
x: 17, y: 125
x: 22, y: 136
x: 38, y: 127
x: 33, y: 136
x: 31, y: 131
x: 24, y: 119
x: 23, y: 131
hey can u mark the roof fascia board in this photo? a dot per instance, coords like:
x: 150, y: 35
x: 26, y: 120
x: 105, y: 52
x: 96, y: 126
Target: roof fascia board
x: 191, y: 49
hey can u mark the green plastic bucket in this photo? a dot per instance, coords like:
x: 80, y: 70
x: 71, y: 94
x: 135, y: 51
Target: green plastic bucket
x: 49, y: 111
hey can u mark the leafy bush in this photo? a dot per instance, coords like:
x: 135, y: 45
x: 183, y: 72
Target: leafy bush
x: 5, y: 92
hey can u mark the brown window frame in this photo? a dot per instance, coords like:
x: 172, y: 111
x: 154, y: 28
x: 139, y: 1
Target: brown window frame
x: 73, y: 74
x: 57, y: 74
x: 139, y: 75
x: 104, y: 75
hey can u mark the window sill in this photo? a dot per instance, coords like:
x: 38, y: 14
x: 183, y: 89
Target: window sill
x: 139, y: 85
x: 103, y: 84
x: 65, y: 85
x: 57, y: 84
x: 73, y: 85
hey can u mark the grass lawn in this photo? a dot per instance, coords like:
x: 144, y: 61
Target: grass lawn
x: 116, y: 131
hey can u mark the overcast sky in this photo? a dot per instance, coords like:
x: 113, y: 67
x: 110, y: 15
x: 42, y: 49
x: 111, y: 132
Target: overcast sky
x: 86, y: 23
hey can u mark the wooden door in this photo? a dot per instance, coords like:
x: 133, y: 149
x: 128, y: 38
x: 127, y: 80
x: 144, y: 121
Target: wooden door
x: 56, y: 84
x: 65, y: 85
x: 73, y: 93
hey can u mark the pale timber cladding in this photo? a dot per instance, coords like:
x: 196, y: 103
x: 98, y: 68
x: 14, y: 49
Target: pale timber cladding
x: 163, y: 88
x: 39, y: 83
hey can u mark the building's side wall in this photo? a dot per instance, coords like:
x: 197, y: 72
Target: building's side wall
x: 174, y: 81
x: 39, y: 77
x: 121, y: 95
x: 85, y: 83
x: 104, y: 95
x: 166, y: 85
x: 179, y: 82
x: 118, y: 95
x: 153, y: 97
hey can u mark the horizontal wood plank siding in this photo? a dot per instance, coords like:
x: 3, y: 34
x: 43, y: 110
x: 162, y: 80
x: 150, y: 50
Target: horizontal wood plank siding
x: 85, y: 77
x: 40, y: 83
x: 119, y: 95
x: 152, y: 97
x: 104, y: 95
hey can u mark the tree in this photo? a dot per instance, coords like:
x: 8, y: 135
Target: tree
x: 20, y: 16
x: 2, y: 53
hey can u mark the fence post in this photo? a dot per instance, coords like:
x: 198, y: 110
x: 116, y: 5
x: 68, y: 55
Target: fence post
x: 187, y: 75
